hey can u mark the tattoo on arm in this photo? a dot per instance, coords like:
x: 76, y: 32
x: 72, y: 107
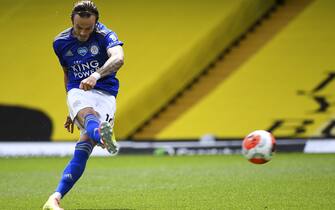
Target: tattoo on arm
x: 114, y: 63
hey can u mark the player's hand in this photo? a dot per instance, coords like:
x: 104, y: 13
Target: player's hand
x: 69, y: 124
x: 88, y: 83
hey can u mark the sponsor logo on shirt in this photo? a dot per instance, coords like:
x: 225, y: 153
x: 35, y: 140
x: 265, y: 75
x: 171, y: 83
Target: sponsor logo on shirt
x: 83, y: 70
x: 82, y: 51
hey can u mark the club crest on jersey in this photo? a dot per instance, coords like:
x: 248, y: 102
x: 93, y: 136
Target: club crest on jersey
x: 82, y: 51
x: 94, y: 49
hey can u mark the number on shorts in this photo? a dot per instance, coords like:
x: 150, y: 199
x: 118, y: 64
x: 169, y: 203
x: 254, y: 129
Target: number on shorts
x: 108, y: 118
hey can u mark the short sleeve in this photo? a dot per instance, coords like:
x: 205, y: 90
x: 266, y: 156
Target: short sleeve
x: 112, y: 40
x: 56, y: 49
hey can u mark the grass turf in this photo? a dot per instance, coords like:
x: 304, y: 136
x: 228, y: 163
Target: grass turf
x: 290, y: 181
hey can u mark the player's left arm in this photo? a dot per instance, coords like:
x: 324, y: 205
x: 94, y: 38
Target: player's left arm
x: 113, y: 64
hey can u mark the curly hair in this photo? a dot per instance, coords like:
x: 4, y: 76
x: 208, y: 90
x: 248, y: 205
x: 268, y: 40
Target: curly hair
x: 85, y: 8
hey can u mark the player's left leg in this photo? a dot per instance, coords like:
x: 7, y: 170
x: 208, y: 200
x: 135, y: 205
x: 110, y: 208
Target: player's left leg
x: 106, y: 107
x: 97, y: 120
x: 84, y: 109
x: 96, y: 128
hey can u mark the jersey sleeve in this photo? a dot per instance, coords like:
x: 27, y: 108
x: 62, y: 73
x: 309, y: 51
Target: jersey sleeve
x: 58, y: 53
x: 112, y: 40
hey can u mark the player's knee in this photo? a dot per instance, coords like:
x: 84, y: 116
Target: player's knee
x: 84, y: 112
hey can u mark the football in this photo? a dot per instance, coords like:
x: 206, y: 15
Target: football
x: 259, y: 146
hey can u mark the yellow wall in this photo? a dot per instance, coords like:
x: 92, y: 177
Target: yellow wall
x: 180, y: 39
x: 157, y: 36
x: 266, y: 87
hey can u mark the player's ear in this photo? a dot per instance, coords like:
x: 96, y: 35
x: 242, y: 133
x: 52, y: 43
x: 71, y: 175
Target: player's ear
x: 72, y: 16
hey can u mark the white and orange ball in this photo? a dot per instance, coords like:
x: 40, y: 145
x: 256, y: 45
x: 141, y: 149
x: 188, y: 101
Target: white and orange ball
x: 259, y: 146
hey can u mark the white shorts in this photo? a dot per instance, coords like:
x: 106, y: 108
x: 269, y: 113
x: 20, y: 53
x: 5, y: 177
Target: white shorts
x: 103, y: 103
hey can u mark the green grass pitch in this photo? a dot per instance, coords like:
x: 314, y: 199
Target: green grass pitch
x: 289, y: 181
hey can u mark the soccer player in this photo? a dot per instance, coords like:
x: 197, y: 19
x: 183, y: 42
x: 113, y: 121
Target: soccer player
x: 90, y: 55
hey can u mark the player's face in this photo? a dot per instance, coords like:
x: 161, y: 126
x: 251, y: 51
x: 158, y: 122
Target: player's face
x: 83, y: 27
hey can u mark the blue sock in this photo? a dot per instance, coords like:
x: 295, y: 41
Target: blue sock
x: 92, y: 127
x: 75, y: 168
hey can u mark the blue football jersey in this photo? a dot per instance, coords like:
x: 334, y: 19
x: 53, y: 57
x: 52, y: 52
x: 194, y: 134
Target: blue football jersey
x: 81, y: 59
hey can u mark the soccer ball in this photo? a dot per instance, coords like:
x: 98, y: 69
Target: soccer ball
x: 259, y: 146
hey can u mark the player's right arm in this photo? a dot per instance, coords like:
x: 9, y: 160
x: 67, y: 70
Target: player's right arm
x: 65, y: 78
x: 56, y: 46
x: 68, y: 122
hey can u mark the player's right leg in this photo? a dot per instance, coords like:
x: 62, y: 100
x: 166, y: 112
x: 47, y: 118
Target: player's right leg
x: 53, y: 202
x: 72, y: 172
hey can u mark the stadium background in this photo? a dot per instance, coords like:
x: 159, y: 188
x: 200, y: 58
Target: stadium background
x: 211, y: 70
x: 219, y: 69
